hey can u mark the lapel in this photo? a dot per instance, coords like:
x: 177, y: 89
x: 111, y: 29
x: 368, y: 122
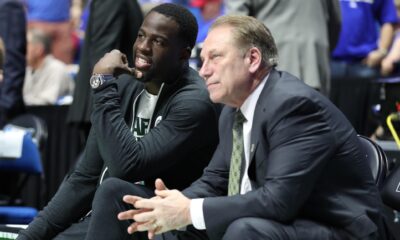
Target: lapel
x: 259, y: 112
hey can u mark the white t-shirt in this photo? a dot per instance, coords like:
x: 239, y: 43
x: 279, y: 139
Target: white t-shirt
x: 146, y: 104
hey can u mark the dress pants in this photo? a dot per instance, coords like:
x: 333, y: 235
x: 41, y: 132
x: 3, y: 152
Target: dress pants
x: 107, y: 203
x: 104, y: 224
x: 76, y: 231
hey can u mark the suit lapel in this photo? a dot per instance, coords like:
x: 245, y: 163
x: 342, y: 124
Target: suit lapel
x: 259, y: 112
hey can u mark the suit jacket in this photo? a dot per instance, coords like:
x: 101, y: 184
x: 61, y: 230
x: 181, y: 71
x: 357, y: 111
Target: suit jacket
x: 13, y: 33
x: 305, y: 163
x: 111, y: 25
x: 304, y: 32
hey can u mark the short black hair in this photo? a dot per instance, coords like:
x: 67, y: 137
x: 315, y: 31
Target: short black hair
x: 188, y: 26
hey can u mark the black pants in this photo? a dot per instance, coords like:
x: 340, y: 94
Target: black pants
x: 76, y: 231
x: 108, y: 203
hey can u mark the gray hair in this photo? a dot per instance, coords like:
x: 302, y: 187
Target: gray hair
x: 38, y: 36
x: 249, y: 32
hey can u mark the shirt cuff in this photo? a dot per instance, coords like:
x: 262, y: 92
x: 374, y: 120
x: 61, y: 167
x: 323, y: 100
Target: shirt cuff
x: 196, y: 213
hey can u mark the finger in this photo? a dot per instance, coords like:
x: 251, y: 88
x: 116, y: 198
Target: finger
x: 142, y: 226
x: 163, y: 193
x: 150, y: 235
x: 138, y: 74
x: 123, y: 69
x: 145, y: 203
x: 130, y: 199
x: 145, y: 226
x: 160, y: 184
x: 133, y: 227
x: 156, y: 198
x: 115, y: 51
x: 128, y: 215
x: 124, y: 58
x: 144, y: 217
x: 159, y: 230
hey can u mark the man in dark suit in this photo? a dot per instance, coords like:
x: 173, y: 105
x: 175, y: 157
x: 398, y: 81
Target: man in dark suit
x: 301, y: 173
x: 13, y: 33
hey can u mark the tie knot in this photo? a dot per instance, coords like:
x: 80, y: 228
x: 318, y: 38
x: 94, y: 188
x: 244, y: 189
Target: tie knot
x: 239, y: 117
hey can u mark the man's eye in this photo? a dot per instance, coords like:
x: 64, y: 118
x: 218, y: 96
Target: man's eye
x: 158, y: 41
x: 213, y: 56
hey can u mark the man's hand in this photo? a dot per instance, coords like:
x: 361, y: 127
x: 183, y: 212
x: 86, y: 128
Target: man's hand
x: 374, y: 58
x: 168, y: 210
x: 115, y: 63
x: 387, y: 67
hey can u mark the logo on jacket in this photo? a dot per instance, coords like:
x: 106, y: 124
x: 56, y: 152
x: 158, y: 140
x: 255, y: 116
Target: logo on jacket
x: 158, y: 120
x: 398, y: 188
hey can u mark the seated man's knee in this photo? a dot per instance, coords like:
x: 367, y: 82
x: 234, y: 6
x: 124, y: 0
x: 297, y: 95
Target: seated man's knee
x: 110, y: 188
x: 252, y: 228
x: 115, y: 188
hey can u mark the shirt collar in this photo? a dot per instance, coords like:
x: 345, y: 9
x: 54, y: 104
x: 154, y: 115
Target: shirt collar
x: 249, y: 105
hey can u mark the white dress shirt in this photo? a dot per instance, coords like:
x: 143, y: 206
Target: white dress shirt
x: 247, y: 108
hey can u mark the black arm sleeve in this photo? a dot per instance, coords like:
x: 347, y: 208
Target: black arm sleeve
x: 183, y: 129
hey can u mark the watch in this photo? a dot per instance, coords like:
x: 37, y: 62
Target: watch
x: 98, y: 79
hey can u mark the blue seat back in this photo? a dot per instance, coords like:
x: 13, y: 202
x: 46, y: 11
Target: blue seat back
x: 29, y: 162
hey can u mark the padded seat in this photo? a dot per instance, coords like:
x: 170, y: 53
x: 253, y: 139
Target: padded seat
x: 28, y: 164
x: 17, y: 215
x: 376, y: 158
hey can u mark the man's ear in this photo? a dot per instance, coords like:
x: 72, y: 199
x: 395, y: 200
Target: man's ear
x: 41, y: 50
x: 186, y: 53
x: 254, y: 58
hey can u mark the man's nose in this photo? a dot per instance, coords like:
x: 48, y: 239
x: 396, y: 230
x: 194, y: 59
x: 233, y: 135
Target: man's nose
x: 144, y: 45
x: 205, y: 70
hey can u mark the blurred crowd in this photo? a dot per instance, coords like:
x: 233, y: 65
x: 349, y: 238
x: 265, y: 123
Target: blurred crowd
x: 342, y: 48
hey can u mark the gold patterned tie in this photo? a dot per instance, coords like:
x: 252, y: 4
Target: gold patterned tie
x: 237, y: 153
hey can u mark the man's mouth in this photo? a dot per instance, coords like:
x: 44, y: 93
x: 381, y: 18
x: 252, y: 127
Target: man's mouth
x: 212, y: 85
x: 142, y: 63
